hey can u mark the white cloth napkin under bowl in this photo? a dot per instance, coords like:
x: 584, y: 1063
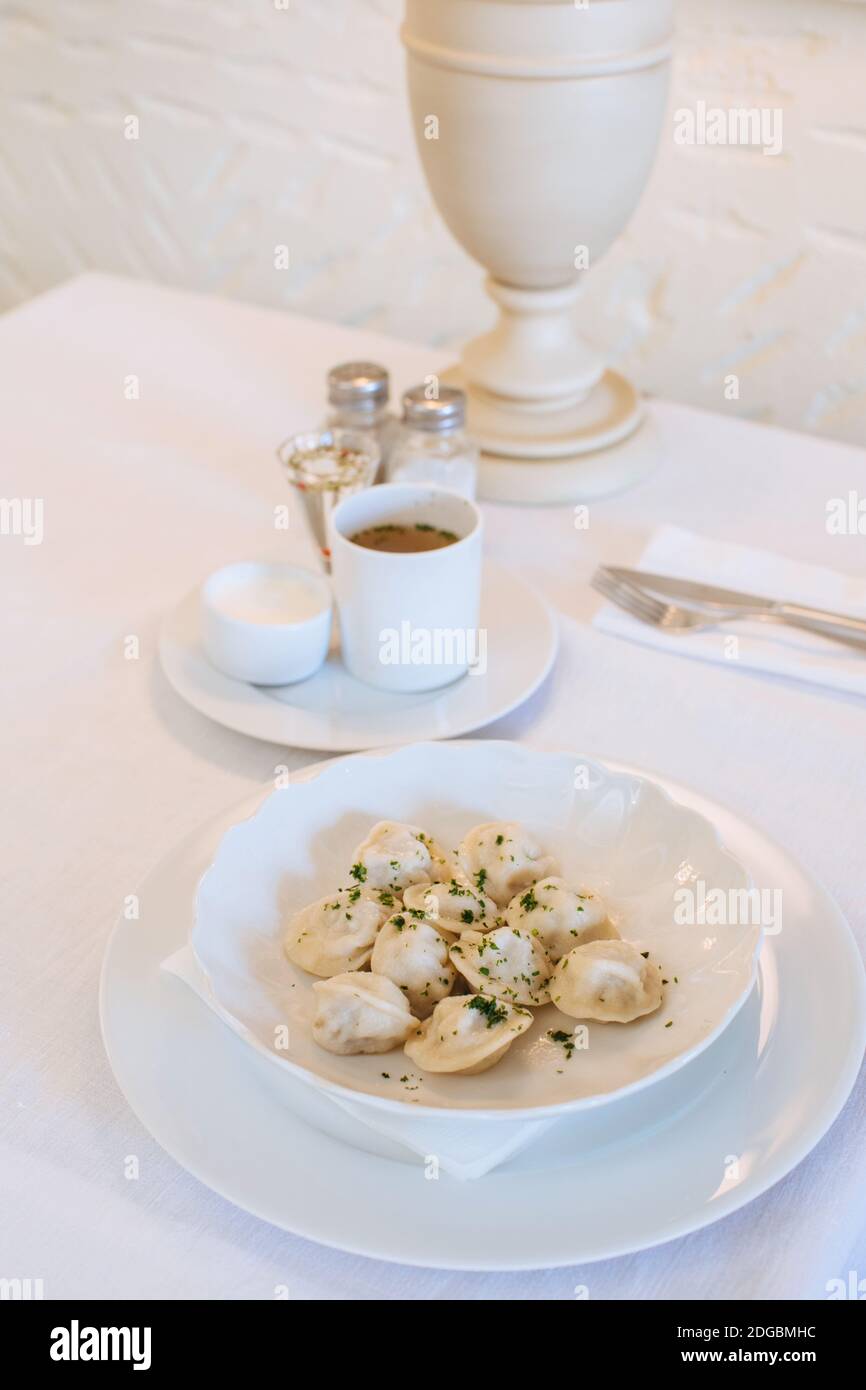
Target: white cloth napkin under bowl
x: 769, y: 647
x: 462, y: 1148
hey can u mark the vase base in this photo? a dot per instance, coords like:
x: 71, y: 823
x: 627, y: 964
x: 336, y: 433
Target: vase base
x: 582, y: 477
x: 608, y: 413
x: 589, y: 448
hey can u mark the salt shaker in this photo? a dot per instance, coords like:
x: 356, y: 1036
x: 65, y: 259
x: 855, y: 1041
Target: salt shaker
x: 433, y: 446
x: 358, y: 398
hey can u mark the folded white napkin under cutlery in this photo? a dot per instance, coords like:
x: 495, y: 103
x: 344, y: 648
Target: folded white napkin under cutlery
x: 752, y: 645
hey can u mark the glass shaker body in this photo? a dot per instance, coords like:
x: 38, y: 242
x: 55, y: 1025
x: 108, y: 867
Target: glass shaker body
x: 447, y: 459
x: 379, y: 423
x: 433, y: 446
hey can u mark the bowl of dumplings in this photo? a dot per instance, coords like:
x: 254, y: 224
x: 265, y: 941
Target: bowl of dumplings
x: 475, y: 927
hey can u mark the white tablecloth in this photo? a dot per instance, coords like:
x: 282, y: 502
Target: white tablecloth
x: 146, y: 419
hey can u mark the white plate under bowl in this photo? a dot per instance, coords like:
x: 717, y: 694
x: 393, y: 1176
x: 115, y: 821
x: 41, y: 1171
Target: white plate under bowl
x: 336, y: 713
x: 632, y: 1175
x: 620, y: 834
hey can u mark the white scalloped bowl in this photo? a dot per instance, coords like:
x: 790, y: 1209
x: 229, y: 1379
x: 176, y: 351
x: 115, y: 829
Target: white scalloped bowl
x: 618, y: 832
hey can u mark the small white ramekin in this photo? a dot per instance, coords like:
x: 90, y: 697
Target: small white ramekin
x: 264, y: 652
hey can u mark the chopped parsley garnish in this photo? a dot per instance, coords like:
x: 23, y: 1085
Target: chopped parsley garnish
x: 529, y: 902
x: 558, y: 1036
x: 500, y: 839
x: 446, y: 535
x: 480, y: 880
x: 467, y: 915
x: 359, y: 873
x: 492, y: 1011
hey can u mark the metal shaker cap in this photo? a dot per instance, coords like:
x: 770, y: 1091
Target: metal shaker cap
x: 363, y: 384
x: 446, y: 412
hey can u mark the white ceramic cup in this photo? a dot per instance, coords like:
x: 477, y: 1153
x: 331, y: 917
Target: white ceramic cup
x: 268, y: 624
x: 408, y: 621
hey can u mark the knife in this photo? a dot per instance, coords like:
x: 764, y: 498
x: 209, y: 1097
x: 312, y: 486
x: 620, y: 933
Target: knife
x: 671, y: 587
x: 711, y: 597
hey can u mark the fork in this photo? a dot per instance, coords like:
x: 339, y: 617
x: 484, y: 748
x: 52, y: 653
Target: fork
x: 680, y: 618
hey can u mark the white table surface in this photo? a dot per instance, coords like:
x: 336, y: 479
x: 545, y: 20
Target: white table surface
x: 105, y: 769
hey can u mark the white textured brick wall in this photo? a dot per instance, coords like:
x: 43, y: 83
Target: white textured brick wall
x: 283, y: 122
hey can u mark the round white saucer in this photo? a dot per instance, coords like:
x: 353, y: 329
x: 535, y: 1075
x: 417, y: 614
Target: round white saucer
x: 668, y: 1161
x: 336, y: 713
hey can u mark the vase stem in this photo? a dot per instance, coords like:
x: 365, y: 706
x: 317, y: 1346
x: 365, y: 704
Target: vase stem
x: 534, y: 358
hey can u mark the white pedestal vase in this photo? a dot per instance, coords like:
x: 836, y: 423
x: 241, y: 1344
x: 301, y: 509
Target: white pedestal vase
x: 537, y: 123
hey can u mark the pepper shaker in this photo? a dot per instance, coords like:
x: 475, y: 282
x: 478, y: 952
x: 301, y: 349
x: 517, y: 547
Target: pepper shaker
x: 358, y: 394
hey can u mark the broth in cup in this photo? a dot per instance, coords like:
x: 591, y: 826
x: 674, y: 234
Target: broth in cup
x: 404, y: 540
x: 407, y: 581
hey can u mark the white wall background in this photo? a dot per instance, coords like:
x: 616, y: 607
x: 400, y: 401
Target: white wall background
x: 283, y: 122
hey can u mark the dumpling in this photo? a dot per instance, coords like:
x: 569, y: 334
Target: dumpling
x: 506, y: 963
x: 414, y: 955
x: 443, y: 865
x: 453, y: 906
x: 501, y: 858
x: 337, y: 933
x: 610, y: 981
x: 393, y: 856
x: 360, y: 1012
x: 466, y: 1034
x: 560, y: 917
